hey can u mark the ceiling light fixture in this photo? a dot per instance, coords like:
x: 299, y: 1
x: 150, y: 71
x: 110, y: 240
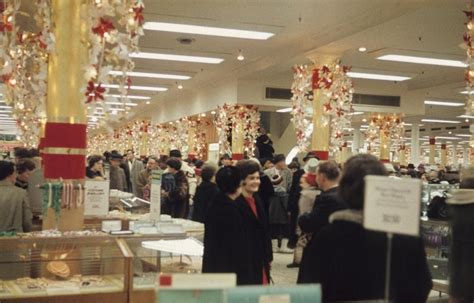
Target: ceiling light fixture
x: 213, y: 112
x: 355, y: 113
x: 377, y: 76
x: 129, y: 97
x: 362, y: 49
x: 206, y: 30
x: 240, y: 57
x: 422, y: 60
x: 443, y: 103
x: 135, y: 87
x: 440, y: 121
x: 203, y: 114
x: 284, y: 110
x: 120, y: 103
x: 465, y: 92
x: 150, y: 75
x: 447, y: 138
x: 181, y: 58
x: 147, y: 102
x: 463, y: 135
x: 180, y: 86
x: 466, y: 116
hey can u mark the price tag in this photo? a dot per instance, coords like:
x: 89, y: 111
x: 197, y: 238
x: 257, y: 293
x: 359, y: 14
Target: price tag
x: 392, y: 205
x: 275, y: 299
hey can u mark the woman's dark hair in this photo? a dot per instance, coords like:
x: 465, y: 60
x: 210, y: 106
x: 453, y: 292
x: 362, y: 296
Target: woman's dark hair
x: 228, y: 179
x: 247, y: 167
x: 6, y: 169
x: 352, y: 184
x: 21, y: 152
x: 25, y: 164
x: 207, y: 172
x: 94, y: 159
x: 174, y: 163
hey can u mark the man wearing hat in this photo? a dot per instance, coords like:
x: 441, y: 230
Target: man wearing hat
x: 117, y: 175
x: 189, y: 173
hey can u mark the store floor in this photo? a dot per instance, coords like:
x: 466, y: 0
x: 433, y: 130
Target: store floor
x: 287, y: 276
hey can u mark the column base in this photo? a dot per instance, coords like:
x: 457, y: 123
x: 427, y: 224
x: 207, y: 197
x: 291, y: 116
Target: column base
x: 321, y: 154
x: 237, y: 156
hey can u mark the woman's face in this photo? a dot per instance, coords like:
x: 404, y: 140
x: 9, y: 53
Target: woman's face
x: 98, y: 165
x: 252, y: 182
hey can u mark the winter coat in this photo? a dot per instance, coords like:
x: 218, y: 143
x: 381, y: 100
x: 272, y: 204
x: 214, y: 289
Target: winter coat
x: 205, y: 194
x: 15, y: 212
x: 142, y: 180
x: 128, y: 182
x: 135, y: 170
x: 349, y: 262
x: 118, y: 179
x: 265, y: 191
x: 278, y: 211
x: 461, y: 260
x: 179, y: 196
x: 225, y: 243
x: 259, y: 246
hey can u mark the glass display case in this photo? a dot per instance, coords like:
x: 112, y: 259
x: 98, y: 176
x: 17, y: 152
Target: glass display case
x: 42, y: 268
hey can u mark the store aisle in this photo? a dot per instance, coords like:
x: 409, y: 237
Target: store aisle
x: 280, y: 273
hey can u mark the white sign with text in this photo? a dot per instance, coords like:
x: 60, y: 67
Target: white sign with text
x: 392, y: 205
x: 155, y: 195
x: 96, y: 201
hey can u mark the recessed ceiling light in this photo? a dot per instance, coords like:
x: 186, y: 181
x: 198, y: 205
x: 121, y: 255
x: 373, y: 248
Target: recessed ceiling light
x: 440, y: 121
x: 240, y: 57
x: 135, y: 87
x: 181, y: 58
x: 284, y: 110
x: 147, y: 102
x: 206, y: 30
x: 203, y: 114
x: 422, y: 60
x: 150, y: 75
x: 129, y: 97
x: 180, y: 86
x: 443, y: 103
x: 213, y: 112
x: 362, y: 49
x: 364, y: 120
x: 377, y: 76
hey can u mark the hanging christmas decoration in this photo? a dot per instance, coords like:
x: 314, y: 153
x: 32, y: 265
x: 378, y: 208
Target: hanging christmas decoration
x: 469, y: 73
x: 336, y: 88
x: 227, y: 119
x: 391, y: 125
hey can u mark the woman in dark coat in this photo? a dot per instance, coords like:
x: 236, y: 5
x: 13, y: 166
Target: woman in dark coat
x: 225, y: 249
x: 205, y: 193
x: 255, y: 223
x: 179, y: 196
x: 349, y: 261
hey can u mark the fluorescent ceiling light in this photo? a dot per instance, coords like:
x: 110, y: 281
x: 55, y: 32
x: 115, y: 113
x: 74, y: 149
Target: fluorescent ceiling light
x: 206, y: 30
x: 440, y: 121
x: 422, y: 60
x: 447, y: 138
x: 466, y: 117
x: 134, y: 87
x: 182, y: 58
x: 5, y: 106
x: 463, y: 135
x: 443, y: 103
x: 364, y: 126
x: 355, y: 113
x: 150, y: 75
x: 119, y: 103
x: 465, y: 92
x: 377, y: 76
x: 5, y: 111
x: 129, y: 97
x: 284, y: 110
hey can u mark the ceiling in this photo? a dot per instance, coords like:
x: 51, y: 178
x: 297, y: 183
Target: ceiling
x: 303, y: 30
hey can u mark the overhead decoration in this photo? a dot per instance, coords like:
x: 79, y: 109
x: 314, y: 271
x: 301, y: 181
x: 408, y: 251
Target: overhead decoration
x: 24, y: 59
x: 228, y: 117
x: 469, y: 74
x: 391, y: 125
x: 115, y: 27
x: 336, y: 87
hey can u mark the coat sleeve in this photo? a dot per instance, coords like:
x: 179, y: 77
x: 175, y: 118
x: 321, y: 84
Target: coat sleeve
x: 141, y: 182
x: 311, y: 267
x: 316, y: 219
x: 27, y: 215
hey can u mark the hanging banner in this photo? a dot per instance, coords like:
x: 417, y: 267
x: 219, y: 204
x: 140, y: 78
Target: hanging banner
x: 392, y: 205
x: 155, y: 195
x: 96, y: 201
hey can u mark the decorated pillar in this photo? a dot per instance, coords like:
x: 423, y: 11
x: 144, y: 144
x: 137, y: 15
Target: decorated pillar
x: 432, y: 151
x: 356, y: 140
x: 191, y: 141
x: 443, y: 155
x: 344, y: 153
x: 402, y: 155
x: 64, y: 145
x: 238, y: 141
x: 384, y: 146
x: 415, y: 143
x: 454, y: 160
x: 320, y: 137
x: 465, y: 155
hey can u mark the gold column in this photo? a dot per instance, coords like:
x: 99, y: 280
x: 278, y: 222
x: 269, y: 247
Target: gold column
x: 444, y: 155
x: 66, y: 63
x: 65, y: 130
x: 432, y: 151
x: 384, y: 147
x: 238, y: 142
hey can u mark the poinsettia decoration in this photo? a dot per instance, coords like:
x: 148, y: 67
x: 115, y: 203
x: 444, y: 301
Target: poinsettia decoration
x: 391, y: 125
x: 228, y: 117
x: 336, y: 90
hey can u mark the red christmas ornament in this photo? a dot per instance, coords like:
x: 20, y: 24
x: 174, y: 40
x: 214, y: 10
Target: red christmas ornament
x: 104, y: 26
